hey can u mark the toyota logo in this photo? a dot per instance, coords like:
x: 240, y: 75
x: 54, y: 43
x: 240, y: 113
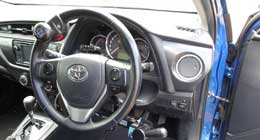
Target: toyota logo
x: 77, y: 73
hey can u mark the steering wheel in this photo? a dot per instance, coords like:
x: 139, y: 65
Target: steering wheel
x: 83, y: 80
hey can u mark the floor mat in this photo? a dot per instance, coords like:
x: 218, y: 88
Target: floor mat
x: 15, y: 113
x: 120, y: 133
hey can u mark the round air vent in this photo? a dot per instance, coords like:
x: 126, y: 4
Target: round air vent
x: 188, y: 68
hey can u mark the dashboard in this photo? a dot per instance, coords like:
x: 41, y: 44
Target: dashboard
x: 176, y: 50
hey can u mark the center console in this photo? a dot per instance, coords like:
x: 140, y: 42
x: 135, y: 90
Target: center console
x: 34, y: 126
x: 15, y: 52
x: 28, y: 131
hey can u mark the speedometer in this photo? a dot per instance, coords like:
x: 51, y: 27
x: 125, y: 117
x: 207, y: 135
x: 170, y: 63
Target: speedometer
x: 114, y: 47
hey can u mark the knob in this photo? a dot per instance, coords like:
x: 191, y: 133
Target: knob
x: 140, y: 134
x: 156, y: 133
x: 42, y: 31
x: 17, y: 48
x: 29, y: 104
x: 148, y: 66
x: 23, y: 80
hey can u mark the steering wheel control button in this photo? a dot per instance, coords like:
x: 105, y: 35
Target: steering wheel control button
x: 115, y: 74
x: 115, y: 88
x: 48, y: 68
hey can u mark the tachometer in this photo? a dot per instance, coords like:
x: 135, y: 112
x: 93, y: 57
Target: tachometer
x: 144, y: 48
x: 98, y: 40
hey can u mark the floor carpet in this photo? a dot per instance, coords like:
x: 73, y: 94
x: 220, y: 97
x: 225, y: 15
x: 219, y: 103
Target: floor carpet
x: 10, y: 120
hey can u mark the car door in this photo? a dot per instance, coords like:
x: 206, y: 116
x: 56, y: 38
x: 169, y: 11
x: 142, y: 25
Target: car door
x: 243, y: 115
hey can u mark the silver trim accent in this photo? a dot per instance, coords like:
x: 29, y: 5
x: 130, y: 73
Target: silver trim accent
x: 180, y: 77
x: 164, y: 132
x: 56, y: 101
x: 78, y: 114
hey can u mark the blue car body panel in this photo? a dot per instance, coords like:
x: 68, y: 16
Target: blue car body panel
x: 210, y: 130
x: 217, y: 73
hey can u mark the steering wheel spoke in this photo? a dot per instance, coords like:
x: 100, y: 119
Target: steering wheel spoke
x: 117, y: 75
x: 83, y: 115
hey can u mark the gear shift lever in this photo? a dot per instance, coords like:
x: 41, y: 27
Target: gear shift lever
x: 29, y: 104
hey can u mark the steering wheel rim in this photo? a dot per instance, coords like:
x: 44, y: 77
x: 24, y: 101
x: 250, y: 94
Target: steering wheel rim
x: 47, y: 32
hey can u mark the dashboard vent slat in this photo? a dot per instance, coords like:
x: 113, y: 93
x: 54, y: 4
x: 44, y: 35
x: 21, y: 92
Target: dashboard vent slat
x: 16, y: 28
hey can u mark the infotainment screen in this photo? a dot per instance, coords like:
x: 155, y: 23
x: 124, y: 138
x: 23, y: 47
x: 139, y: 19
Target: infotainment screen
x: 22, y: 50
x: 26, y: 53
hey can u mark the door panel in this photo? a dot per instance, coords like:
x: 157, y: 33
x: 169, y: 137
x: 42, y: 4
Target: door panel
x: 245, y: 115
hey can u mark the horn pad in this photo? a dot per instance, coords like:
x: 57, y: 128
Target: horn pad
x: 81, y: 79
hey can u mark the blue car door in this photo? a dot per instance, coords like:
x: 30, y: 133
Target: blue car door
x: 233, y: 104
x: 243, y: 112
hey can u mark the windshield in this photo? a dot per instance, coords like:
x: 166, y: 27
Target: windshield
x: 169, y: 5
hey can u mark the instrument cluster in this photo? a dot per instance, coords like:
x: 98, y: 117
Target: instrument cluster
x: 110, y: 45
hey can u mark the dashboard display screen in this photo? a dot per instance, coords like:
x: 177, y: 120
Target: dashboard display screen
x: 26, y: 53
x: 22, y: 50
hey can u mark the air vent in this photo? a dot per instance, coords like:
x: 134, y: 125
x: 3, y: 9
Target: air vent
x: 23, y: 28
x: 186, y: 29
